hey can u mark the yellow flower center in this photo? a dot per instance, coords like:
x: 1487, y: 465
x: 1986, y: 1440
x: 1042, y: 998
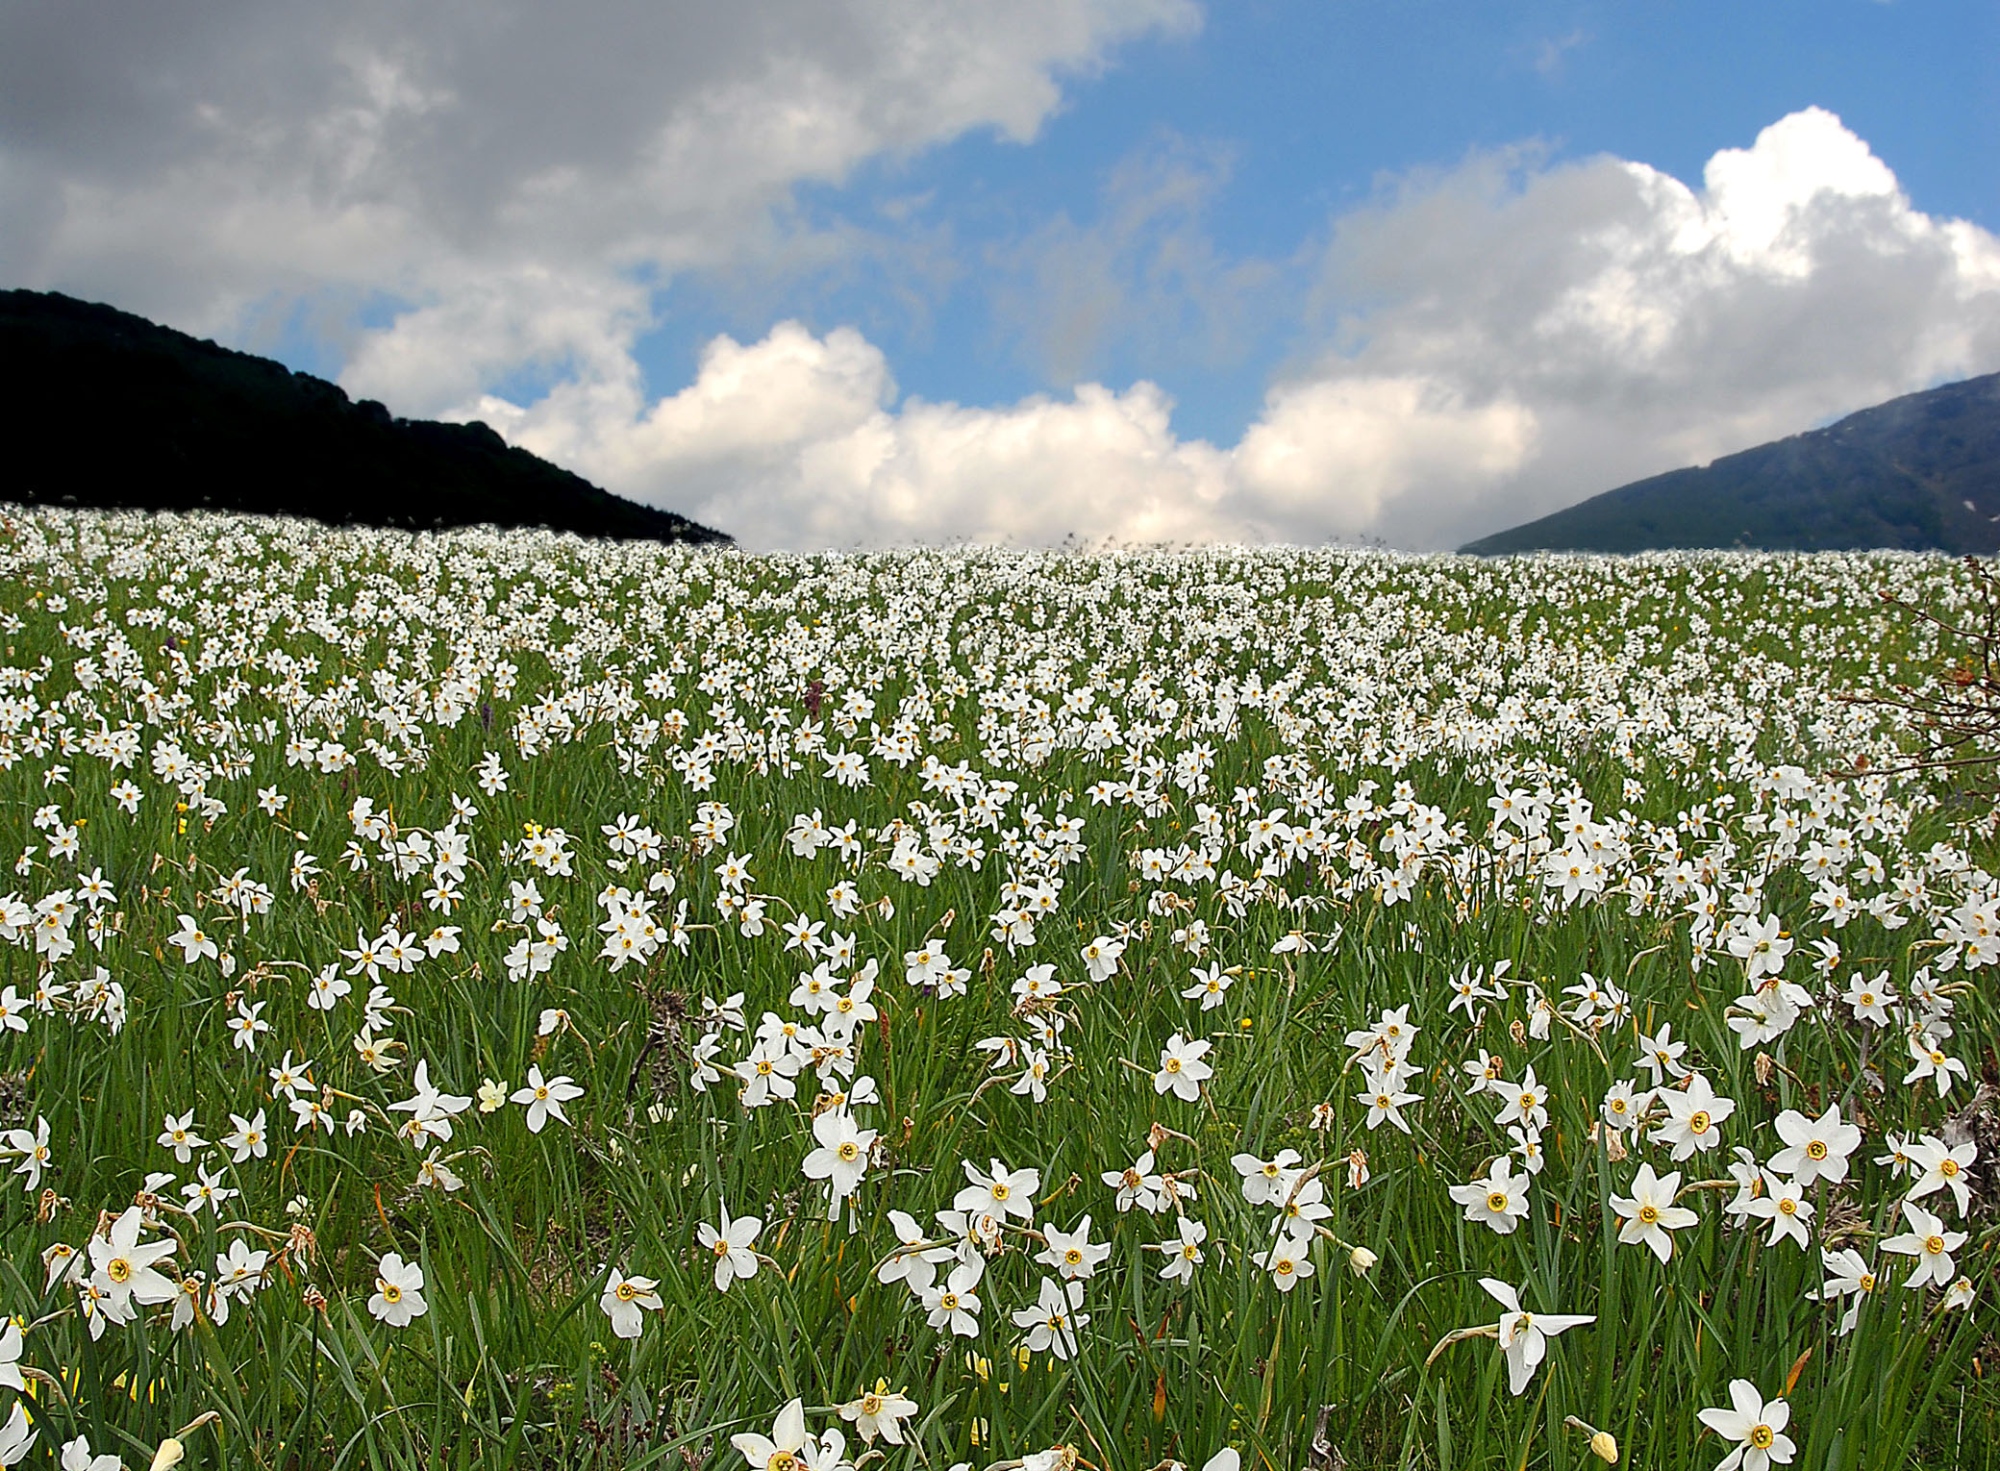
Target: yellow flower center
x: 1934, y: 1245
x: 1284, y: 1267
x: 1947, y: 1167
x: 1698, y: 1123
x: 1497, y: 1201
x: 1648, y: 1214
x: 1816, y: 1149
x: 782, y: 1461
x: 1788, y: 1207
x: 948, y: 1301
x: 1001, y: 1190
x: 1761, y: 1437
x: 1073, y: 1257
x: 626, y: 1292
x: 119, y: 1270
x: 871, y: 1404
x: 390, y: 1291
x: 1173, y: 1065
x: 849, y: 1151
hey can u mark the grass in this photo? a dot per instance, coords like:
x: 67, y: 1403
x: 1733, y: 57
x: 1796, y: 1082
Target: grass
x: 1664, y: 692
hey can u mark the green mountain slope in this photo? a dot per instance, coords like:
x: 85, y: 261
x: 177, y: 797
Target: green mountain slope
x: 102, y: 408
x: 1919, y: 473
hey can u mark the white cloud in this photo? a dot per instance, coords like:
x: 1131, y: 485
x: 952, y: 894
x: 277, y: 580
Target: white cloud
x: 1485, y: 343
x: 1533, y: 335
x: 508, y: 168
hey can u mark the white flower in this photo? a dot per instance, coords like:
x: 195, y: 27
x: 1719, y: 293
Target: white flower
x: 1941, y: 1166
x: 778, y: 1451
x: 730, y: 1246
x: 1649, y: 1213
x: 955, y: 1305
x: 76, y: 1456
x: 123, y: 1267
x: 1136, y: 1185
x: 1524, y: 1336
x: 1001, y: 1192
x: 1754, y: 1427
x: 1498, y: 1199
x: 1053, y: 1320
x: 1693, y: 1114
x: 1929, y: 1242
x: 1815, y: 1149
x: 842, y: 1156
x: 1071, y: 1252
x: 399, y: 1291
x: 1762, y: 949
x: 1100, y: 957
x: 1287, y: 1261
x: 623, y: 1299
x: 193, y: 942
x: 10, y: 1357
x: 1182, y: 1069
x: 1783, y: 1204
x: 1267, y: 1181
x: 544, y: 1099
x: 17, y: 1438
x: 1184, y: 1255
x: 1849, y: 1275
x: 879, y: 1411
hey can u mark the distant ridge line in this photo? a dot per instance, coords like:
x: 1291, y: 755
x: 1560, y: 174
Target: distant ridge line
x: 1918, y: 473
x: 105, y: 409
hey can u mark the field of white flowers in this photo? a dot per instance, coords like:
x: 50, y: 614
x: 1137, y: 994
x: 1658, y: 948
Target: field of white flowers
x: 491, y: 1001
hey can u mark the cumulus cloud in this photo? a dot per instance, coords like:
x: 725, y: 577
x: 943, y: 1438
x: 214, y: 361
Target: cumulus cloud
x: 1644, y: 324
x: 506, y: 169
x: 511, y: 188
x: 1500, y: 340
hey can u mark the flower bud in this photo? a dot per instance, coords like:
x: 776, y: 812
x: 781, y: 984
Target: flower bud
x: 170, y: 1453
x: 1604, y: 1447
x: 1360, y: 1259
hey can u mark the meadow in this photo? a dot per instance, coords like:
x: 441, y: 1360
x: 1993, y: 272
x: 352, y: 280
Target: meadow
x: 478, y: 1000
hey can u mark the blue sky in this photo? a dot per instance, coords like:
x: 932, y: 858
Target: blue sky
x: 1292, y: 113
x: 865, y: 271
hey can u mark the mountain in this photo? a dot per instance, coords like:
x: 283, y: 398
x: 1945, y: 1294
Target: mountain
x: 102, y: 408
x: 1919, y: 473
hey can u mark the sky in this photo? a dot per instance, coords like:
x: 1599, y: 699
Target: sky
x: 855, y: 273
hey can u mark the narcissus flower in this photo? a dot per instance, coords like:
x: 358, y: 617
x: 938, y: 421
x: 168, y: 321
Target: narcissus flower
x: 1755, y: 1428
x: 1929, y: 1242
x: 1053, y: 1320
x: 399, y: 1291
x: 123, y: 1268
x: 879, y: 1411
x: 1649, y: 1213
x: 1815, y: 1149
x: 624, y: 1299
x: 842, y: 1156
x: 1182, y: 1071
x: 1524, y: 1335
x: 730, y: 1246
x: 1498, y: 1199
x: 544, y: 1098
